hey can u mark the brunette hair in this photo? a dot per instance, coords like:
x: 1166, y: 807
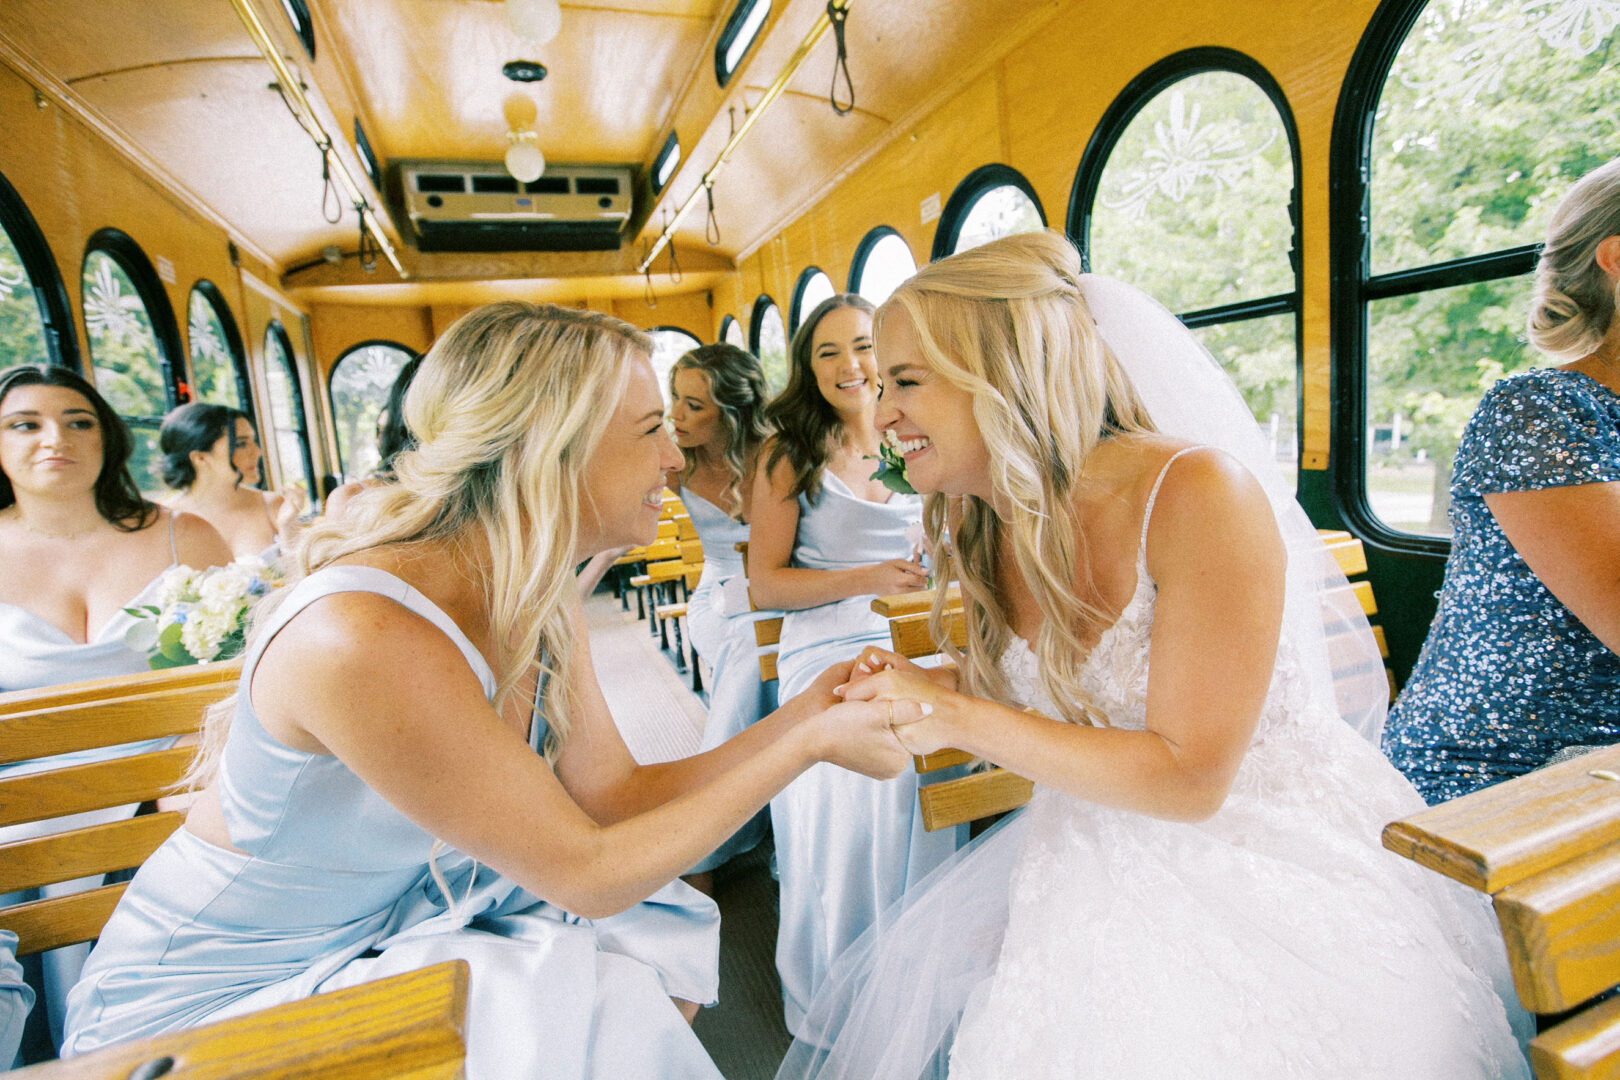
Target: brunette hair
x: 737, y: 386
x: 806, y: 423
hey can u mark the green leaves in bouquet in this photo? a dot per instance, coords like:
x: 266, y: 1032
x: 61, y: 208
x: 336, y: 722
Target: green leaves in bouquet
x: 891, y: 471
x: 170, y: 653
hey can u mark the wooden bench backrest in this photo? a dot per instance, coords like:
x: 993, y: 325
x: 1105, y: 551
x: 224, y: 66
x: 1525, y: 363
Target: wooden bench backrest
x: 1546, y: 847
x: 408, y: 1027
x: 61, y: 725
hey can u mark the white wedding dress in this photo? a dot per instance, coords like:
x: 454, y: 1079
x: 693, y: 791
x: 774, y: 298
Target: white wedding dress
x: 1276, y: 939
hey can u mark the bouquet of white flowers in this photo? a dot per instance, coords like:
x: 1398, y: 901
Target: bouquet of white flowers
x: 200, y: 615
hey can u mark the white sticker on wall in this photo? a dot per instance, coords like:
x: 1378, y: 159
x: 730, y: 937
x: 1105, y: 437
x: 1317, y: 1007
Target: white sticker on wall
x: 165, y: 269
x: 930, y: 208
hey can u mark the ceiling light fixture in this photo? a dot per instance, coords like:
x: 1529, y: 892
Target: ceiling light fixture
x: 523, y: 158
x: 534, y: 20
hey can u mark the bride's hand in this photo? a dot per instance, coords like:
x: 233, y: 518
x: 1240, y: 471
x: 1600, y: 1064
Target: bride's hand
x: 924, y: 711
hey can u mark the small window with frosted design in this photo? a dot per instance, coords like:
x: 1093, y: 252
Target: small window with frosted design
x: 814, y: 286
x: 213, y: 355
x: 882, y: 262
x: 991, y: 202
x: 289, y: 436
x: 1490, y: 111
x: 361, y: 380
x: 1193, y: 205
x: 22, y: 327
x: 732, y: 333
x: 126, y: 358
x: 768, y: 336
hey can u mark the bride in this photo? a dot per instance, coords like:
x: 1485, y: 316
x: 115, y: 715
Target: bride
x: 1197, y: 887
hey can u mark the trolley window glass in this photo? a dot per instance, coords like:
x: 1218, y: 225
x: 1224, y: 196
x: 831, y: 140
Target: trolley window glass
x: 359, y: 387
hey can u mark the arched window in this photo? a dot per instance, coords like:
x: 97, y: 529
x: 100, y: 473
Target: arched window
x: 767, y: 339
x: 359, y: 387
x: 218, y: 371
x: 670, y: 343
x: 304, y: 26
x: 288, y: 432
x: 1187, y: 191
x: 133, y: 341
x: 882, y: 262
x: 35, y: 324
x: 813, y: 287
x: 741, y: 29
x: 992, y: 201
x: 1472, y: 117
x: 732, y: 332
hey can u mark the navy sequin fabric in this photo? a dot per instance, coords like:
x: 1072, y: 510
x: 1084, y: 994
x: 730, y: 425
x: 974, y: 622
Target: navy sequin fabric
x: 1508, y: 676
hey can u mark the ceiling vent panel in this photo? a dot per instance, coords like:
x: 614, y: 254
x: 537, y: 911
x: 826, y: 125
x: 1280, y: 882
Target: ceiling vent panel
x: 459, y: 206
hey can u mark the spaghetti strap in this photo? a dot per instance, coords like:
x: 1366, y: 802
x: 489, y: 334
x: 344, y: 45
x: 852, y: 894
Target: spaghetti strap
x: 1147, y: 511
x: 174, y: 552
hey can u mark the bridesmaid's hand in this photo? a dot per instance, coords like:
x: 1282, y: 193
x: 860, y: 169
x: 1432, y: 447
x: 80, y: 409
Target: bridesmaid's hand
x: 873, y: 660
x: 859, y: 736
x: 823, y: 693
x: 894, y: 576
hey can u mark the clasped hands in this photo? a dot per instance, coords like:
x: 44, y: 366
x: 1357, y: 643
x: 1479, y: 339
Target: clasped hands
x: 920, y: 701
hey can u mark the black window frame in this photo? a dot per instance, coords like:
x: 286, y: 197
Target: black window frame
x: 233, y: 344
x: 44, y: 278
x: 796, y: 312
x: 756, y: 320
x: 123, y: 250
x: 1136, y: 96
x: 733, y: 27
x: 863, y: 252
x: 331, y: 403
x: 1352, y: 285
x: 368, y: 156
x: 725, y: 324
x: 671, y: 145
x: 966, y: 196
x: 290, y: 360
x: 298, y: 17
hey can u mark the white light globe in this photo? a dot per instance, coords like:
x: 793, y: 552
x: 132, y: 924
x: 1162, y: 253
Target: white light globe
x: 534, y: 20
x: 525, y: 161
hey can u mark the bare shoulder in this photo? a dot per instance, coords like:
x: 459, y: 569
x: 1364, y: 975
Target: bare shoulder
x: 338, y: 498
x: 352, y: 653
x: 196, y: 542
x: 1209, y: 507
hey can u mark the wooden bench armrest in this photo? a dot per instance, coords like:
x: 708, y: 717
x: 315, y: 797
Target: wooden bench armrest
x: 913, y: 602
x: 978, y: 795
x: 119, y: 686
x: 1584, y: 1047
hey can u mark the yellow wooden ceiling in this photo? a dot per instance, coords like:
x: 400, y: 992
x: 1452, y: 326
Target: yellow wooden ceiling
x: 182, y: 83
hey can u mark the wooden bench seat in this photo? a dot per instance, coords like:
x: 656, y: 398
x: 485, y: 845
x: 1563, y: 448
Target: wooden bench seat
x: 1546, y: 848
x: 407, y: 1027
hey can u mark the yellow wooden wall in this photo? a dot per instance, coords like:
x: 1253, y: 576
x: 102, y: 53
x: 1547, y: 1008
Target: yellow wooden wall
x: 1036, y: 108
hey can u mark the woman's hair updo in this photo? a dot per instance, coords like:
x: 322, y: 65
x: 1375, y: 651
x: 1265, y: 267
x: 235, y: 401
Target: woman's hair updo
x: 192, y: 429
x: 1574, y: 301
x: 738, y: 388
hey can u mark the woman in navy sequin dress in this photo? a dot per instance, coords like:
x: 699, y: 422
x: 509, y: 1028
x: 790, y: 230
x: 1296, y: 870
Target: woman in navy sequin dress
x: 1521, y: 662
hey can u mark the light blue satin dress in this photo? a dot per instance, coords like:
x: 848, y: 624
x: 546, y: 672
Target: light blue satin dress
x: 737, y: 695
x: 34, y: 654
x: 846, y: 846
x: 335, y: 888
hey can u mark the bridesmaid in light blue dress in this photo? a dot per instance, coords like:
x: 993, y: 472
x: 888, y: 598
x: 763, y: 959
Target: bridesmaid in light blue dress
x: 717, y: 413
x: 826, y: 540
x: 212, y: 459
x: 78, y: 545
x: 423, y: 767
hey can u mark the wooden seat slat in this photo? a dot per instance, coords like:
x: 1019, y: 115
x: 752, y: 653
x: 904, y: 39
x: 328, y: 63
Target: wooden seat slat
x: 671, y: 611
x: 1562, y: 931
x: 111, y: 722
x: 668, y: 530
x: 909, y: 636
x: 77, y: 853
x: 90, y: 787
x: 767, y: 666
x: 913, y: 602
x: 1501, y: 835
x: 407, y: 1026
x: 768, y: 631
x: 1348, y: 552
x: 1584, y: 1047
x: 969, y: 798
x: 659, y: 572
x: 42, y: 925
x: 940, y: 759
x: 118, y: 686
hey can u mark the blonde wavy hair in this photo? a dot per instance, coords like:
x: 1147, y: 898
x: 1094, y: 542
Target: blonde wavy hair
x: 1007, y: 323
x: 1574, y: 301
x: 507, y: 408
